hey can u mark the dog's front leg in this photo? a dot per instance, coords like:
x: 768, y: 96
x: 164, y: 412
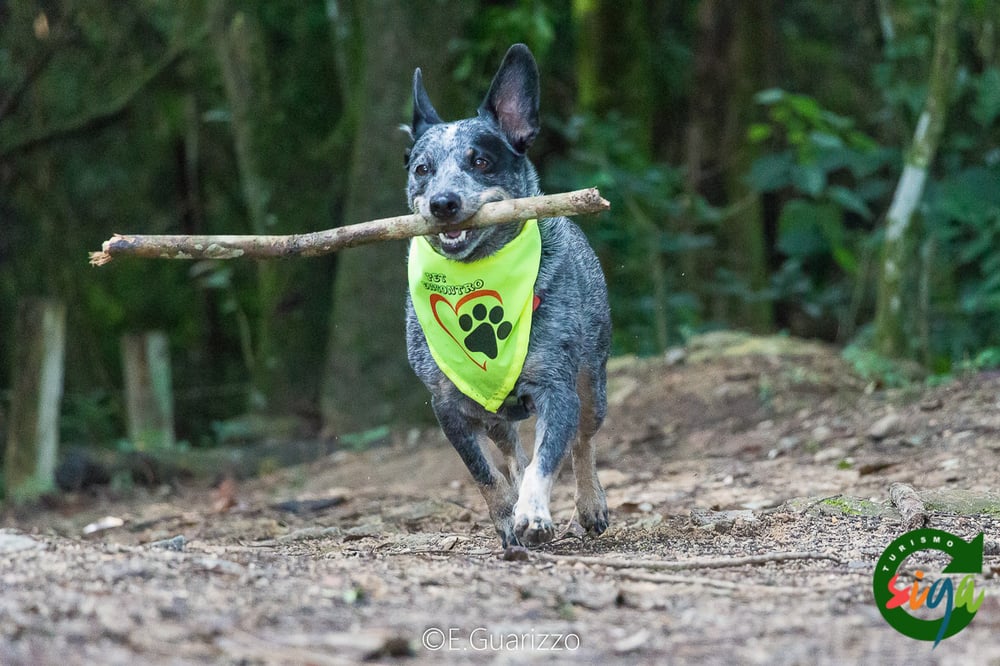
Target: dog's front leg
x: 468, y: 440
x: 558, y: 417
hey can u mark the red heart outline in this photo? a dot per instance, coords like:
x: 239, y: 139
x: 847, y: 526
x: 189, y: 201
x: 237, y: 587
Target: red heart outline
x: 438, y: 298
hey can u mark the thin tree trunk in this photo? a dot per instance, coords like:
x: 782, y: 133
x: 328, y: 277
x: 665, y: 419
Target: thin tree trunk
x: 731, y: 64
x: 891, y: 327
x: 239, y: 54
x: 33, y: 435
x: 149, y: 398
x: 698, y: 140
x: 587, y: 26
x: 367, y: 380
x: 614, y: 71
x: 742, y: 233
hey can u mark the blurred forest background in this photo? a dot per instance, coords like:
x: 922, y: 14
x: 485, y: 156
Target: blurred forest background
x: 828, y: 169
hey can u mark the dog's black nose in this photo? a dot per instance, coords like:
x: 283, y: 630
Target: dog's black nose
x: 445, y: 206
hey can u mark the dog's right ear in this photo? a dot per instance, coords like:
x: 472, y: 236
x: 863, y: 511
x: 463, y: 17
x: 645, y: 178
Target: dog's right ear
x: 424, y: 114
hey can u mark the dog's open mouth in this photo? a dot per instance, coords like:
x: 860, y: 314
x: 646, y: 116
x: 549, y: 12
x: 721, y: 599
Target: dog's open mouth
x: 453, y: 239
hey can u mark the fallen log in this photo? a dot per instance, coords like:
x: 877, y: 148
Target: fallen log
x: 578, y: 202
x: 910, y: 506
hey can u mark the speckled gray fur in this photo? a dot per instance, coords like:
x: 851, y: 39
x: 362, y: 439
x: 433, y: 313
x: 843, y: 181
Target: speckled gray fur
x: 454, y: 168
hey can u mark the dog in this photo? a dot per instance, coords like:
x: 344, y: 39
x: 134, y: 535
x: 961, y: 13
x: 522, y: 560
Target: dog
x: 453, y: 169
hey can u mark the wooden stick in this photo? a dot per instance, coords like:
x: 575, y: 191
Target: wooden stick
x: 579, y: 202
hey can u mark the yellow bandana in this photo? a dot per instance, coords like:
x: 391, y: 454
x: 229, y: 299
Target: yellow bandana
x: 476, y: 315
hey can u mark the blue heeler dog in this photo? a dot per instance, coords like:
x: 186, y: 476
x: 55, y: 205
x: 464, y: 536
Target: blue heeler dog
x: 454, y: 168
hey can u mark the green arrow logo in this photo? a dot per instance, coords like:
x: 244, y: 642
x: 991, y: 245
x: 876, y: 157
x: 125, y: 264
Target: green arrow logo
x: 960, y: 604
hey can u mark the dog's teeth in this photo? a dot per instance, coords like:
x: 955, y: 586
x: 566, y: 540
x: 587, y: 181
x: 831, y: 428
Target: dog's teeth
x: 453, y: 240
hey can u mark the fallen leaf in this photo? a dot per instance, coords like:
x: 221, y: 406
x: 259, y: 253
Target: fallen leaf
x: 104, y: 524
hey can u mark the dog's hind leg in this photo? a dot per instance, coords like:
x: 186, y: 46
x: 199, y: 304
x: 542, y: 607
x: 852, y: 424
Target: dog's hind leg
x: 493, y: 485
x: 504, y: 435
x: 591, y: 503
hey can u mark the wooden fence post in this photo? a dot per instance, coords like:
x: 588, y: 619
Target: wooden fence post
x: 149, y: 401
x: 33, y: 428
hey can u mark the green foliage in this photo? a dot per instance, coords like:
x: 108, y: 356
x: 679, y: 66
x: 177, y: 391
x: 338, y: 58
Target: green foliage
x: 875, y: 368
x: 492, y: 32
x: 92, y: 418
x: 361, y: 441
x: 647, y: 200
x: 125, y: 137
x: 986, y: 359
x: 832, y: 176
x: 961, y: 214
x: 29, y: 490
x: 963, y: 217
x: 986, y: 108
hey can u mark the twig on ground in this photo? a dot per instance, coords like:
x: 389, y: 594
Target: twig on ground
x: 578, y: 202
x: 683, y: 565
x: 910, y: 506
x: 742, y: 586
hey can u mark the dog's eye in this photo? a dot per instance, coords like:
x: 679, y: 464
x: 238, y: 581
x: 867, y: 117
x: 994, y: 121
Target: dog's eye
x: 422, y: 169
x: 480, y: 163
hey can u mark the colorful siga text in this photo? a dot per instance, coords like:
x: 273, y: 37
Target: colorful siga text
x: 959, y: 602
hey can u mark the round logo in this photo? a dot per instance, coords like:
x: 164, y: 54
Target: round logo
x: 959, y: 603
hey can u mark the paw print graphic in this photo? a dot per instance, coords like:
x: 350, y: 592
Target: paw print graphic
x: 485, y: 327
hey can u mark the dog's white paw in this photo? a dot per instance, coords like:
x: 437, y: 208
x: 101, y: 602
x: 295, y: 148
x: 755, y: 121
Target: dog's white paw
x: 532, y: 520
x: 533, y: 530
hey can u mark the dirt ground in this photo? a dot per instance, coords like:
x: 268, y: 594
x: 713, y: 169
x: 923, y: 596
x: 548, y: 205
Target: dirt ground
x: 736, y: 447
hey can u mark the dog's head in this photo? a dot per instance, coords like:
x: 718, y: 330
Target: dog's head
x: 454, y: 168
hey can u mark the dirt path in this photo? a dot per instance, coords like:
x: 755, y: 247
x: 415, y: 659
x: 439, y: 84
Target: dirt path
x: 747, y: 448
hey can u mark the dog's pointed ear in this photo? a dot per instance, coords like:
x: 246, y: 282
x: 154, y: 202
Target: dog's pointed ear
x: 424, y: 114
x: 513, y: 98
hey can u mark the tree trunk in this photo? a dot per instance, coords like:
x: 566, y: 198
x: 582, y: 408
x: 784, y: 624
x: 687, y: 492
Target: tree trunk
x: 588, y: 26
x: 239, y: 54
x: 709, y: 83
x: 892, y: 330
x: 367, y: 380
x: 730, y: 66
x: 742, y: 231
x: 33, y: 435
x: 149, y: 398
x: 614, y: 57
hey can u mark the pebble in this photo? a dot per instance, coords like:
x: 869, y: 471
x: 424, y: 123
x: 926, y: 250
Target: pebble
x: 885, y: 426
x: 829, y: 455
x: 675, y: 356
x: 821, y: 434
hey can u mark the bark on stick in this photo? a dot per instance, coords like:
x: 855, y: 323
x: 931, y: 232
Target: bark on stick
x: 579, y: 202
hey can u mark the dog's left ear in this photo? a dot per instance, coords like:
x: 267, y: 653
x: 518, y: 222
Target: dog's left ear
x: 424, y: 114
x: 513, y: 98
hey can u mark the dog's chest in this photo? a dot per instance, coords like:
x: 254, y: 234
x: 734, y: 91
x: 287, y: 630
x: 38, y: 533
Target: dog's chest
x: 476, y: 316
